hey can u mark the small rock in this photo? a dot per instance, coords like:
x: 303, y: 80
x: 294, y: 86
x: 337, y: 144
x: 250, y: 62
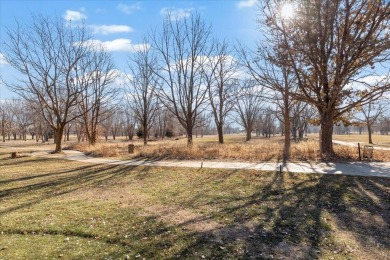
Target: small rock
x: 67, y: 239
x: 127, y: 257
x: 138, y: 256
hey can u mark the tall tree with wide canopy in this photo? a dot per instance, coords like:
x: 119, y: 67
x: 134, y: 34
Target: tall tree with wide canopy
x: 47, y: 51
x: 331, y: 44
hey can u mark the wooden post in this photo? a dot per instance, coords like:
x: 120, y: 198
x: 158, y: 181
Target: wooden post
x: 360, y: 157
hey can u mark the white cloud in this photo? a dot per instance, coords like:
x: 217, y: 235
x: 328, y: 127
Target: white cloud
x: 110, y: 29
x: 175, y: 13
x: 118, y: 45
x: 74, y: 15
x: 2, y: 60
x: 129, y: 9
x: 368, y: 82
x: 121, y: 78
x: 246, y: 3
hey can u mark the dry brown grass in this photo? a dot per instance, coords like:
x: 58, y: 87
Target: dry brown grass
x: 255, y: 150
x: 101, y: 149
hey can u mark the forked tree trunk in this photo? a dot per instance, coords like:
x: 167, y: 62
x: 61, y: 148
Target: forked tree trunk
x: 326, y: 145
x: 92, y: 138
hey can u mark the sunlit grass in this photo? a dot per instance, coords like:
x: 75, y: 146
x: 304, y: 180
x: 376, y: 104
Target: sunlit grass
x: 363, y: 138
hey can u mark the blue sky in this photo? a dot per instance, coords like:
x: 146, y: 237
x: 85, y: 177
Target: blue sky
x: 121, y: 25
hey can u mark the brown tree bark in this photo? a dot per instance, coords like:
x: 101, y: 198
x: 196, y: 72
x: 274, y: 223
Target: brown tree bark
x: 220, y: 134
x: 326, y: 145
x: 248, y: 134
x: 369, y: 130
x: 58, y: 138
x: 287, y: 133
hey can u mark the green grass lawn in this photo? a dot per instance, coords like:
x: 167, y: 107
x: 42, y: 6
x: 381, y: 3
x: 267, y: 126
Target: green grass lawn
x: 51, y: 208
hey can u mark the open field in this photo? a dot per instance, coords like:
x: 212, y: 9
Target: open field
x: 363, y: 138
x: 51, y: 209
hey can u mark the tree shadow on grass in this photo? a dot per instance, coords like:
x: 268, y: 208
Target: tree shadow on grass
x: 298, y: 220
x: 287, y: 216
x: 59, y: 183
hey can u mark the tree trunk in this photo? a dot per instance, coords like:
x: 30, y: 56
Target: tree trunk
x: 3, y: 130
x: 145, y: 136
x: 220, y: 133
x: 287, y: 137
x: 369, y: 130
x: 189, y: 138
x: 248, y: 134
x: 326, y: 145
x: 58, y: 138
x: 92, y: 138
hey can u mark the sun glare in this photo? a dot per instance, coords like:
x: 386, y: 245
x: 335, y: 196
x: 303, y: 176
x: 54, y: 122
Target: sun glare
x: 287, y: 11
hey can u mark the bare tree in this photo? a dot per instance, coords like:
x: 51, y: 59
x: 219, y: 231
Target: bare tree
x: 118, y: 120
x: 162, y: 121
x: 96, y: 74
x: 219, y: 72
x: 182, y: 48
x: 268, y: 67
x: 141, y: 91
x: 129, y: 124
x: 330, y: 44
x: 371, y: 112
x: 248, y: 105
x: 5, y: 118
x: 22, y: 117
x: 46, y: 51
x: 384, y: 124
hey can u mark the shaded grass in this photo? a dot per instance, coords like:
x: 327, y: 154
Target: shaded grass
x: 50, y: 209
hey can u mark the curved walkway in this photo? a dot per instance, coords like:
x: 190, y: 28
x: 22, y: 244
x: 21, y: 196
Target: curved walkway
x: 369, y: 169
x: 355, y: 144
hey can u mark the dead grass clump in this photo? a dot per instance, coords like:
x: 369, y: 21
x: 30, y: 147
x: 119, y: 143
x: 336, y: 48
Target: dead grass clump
x: 100, y: 150
x: 258, y: 150
x: 233, y: 151
x: 305, y: 150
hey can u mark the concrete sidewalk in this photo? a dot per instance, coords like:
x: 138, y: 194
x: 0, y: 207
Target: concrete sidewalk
x: 354, y: 168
